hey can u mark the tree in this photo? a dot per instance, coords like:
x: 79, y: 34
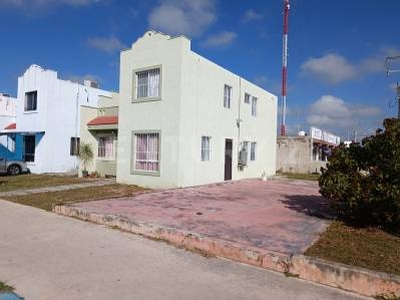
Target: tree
x: 363, y: 181
x: 85, y: 154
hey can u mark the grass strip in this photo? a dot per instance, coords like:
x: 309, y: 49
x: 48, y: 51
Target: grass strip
x: 369, y: 248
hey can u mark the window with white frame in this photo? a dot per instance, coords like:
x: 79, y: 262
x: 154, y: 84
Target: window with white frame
x: 146, y: 152
x: 148, y: 83
x: 30, y: 101
x: 254, y: 106
x: 205, y: 148
x: 253, y: 149
x: 247, y: 98
x: 227, y: 96
x: 105, y: 147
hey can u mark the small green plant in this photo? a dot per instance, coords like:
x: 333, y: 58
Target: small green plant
x: 5, y: 288
x: 363, y: 181
x: 85, y: 155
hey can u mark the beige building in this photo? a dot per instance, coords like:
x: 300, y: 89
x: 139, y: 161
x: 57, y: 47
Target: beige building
x: 185, y: 121
x: 305, y: 153
x: 99, y: 128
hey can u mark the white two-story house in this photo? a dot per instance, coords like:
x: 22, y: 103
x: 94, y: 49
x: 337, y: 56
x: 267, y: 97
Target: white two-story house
x: 48, y: 117
x: 185, y: 121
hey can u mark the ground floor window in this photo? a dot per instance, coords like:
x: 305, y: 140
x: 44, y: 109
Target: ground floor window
x: 205, y: 148
x: 106, y: 147
x: 146, y: 152
x: 74, y: 146
x: 253, y: 150
x: 29, y: 148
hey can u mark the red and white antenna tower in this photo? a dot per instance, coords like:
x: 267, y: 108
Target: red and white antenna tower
x: 286, y: 9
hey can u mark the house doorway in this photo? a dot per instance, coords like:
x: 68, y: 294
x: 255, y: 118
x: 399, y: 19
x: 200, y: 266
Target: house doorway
x: 228, y: 159
x: 29, y: 148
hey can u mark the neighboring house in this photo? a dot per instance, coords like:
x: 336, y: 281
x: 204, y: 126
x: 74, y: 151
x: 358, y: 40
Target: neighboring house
x: 185, y: 121
x: 305, y: 153
x: 48, y: 119
x: 8, y: 106
x: 99, y: 128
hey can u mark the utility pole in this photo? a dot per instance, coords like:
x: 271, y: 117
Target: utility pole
x: 390, y: 70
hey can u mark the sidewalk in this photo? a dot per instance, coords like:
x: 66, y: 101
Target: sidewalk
x: 265, y: 224
x: 49, y: 257
x: 24, y: 192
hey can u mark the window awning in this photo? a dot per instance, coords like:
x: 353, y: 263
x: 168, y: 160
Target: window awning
x: 11, y: 126
x: 103, y: 122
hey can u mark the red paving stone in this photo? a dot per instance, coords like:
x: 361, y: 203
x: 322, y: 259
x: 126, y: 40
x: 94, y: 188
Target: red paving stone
x: 272, y: 215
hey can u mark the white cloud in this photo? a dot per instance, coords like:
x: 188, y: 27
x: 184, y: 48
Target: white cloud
x: 334, y: 68
x: 334, y: 114
x: 220, y: 39
x: 252, y: 15
x: 109, y: 45
x: 331, y: 68
x: 188, y: 17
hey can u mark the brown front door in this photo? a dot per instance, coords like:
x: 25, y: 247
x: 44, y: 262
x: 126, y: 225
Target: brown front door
x: 228, y: 159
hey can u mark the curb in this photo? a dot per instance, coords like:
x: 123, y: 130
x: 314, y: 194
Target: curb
x: 353, y: 279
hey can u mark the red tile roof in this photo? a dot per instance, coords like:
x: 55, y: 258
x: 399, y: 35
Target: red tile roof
x: 103, y: 120
x: 11, y: 126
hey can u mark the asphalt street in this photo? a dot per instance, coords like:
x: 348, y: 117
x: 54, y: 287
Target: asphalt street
x: 46, y: 256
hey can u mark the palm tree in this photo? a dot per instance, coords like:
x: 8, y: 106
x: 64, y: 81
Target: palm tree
x: 85, y: 154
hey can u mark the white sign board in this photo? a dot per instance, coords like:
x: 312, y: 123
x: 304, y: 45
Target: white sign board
x: 325, y: 136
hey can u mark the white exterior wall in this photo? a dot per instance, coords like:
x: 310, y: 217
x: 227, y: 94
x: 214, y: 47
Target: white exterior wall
x: 203, y: 114
x: 191, y: 106
x: 160, y: 115
x: 8, y: 107
x: 57, y: 115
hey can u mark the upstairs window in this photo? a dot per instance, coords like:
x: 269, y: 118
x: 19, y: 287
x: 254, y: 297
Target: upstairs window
x: 254, y: 106
x: 247, y: 98
x: 31, y: 101
x: 148, y: 83
x: 227, y: 96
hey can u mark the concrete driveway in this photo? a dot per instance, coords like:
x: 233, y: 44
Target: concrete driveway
x: 46, y: 257
x: 273, y: 215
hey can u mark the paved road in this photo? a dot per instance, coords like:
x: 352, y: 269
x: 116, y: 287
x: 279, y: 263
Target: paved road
x: 46, y: 256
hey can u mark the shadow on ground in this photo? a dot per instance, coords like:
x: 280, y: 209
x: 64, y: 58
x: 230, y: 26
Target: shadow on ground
x: 316, y: 206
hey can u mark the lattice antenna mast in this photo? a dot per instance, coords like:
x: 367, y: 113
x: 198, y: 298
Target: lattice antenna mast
x: 286, y: 9
x: 389, y: 71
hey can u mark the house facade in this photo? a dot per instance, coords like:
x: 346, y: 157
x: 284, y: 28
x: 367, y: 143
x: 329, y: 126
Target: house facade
x: 185, y: 121
x: 99, y: 128
x: 47, y: 129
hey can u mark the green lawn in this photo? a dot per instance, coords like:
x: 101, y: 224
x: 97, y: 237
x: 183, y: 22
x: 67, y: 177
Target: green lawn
x: 47, y: 200
x: 300, y: 176
x: 5, y: 288
x: 369, y: 248
x: 31, y: 181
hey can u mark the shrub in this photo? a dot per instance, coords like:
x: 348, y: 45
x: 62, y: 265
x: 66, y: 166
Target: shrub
x: 363, y: 181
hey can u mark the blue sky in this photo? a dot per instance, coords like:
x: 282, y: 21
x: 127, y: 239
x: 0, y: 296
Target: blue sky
x: 337, y: 49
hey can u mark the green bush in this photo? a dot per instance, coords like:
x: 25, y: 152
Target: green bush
x: 363, y: 181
